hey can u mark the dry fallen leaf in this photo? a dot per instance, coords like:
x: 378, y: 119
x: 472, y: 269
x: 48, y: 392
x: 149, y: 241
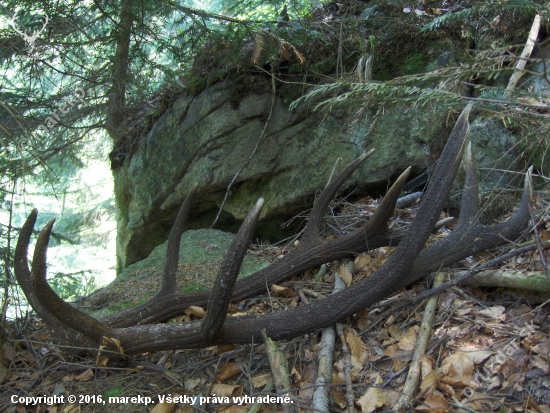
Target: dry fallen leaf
x: 457, y: 364
x: 190, y: 383
x: 360, y: 261
x: 428, y: 384
x: 373, y: 399
x: 399, y: 357
x: 457, y: 371
x: 68, y: 377
x: 337, y: 377
x: 197, y: 311
x: 345, y: 274
x: 479, y: 356
x: 408, y: 341
x: 281, y: 291
x: 339, y: 397
x: 102, y: 361
x: 492, y: 312
x: 228, y: 371
x: 435, y: 404
x: 111, y: 343
x: 260, y: 380
x: 85, y: 376
x: 226, y: 390
x: 427, y: 364
x: 356, y: 345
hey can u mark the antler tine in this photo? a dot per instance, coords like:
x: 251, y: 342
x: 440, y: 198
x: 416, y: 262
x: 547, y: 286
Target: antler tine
x: 225, y: 282
x: 317, y: 214
x: 64, y: 312
x: 470, y: 204
x: 169, y: 284
x: 23, y: 276
x: 387, y: 205
x: 471, y: 235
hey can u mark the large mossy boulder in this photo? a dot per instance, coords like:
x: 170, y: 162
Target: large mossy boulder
x: 201, y: 254
x: 206, y: 139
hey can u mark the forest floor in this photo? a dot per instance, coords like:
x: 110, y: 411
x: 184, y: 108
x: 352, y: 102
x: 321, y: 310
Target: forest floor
x: 488, y: 348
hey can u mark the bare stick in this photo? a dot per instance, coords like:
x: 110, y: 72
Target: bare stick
x: 258, y: 405
x: 279, y: 369
x: 515, y: 280
x: 408, y: 200
x: 326, y: 348
x: 413, y: 377
x: 334, y: 168
x: 529, y: 45
x: 350, y: 398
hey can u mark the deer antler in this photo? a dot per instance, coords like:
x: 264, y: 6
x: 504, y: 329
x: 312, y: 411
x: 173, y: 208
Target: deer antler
x: 406, y: 264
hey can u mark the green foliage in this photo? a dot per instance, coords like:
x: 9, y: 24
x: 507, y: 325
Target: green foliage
x: 113, y: 392
x: 415, y: 63
x: 73, y: 285
x: 190, y: 288
x: 488, y: 9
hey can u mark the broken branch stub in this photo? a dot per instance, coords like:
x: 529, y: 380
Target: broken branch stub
x: 136, y: 331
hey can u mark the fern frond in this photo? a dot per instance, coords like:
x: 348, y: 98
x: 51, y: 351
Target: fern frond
x: 258, y: 47
x: 299, y: 55
x: 284, y: 49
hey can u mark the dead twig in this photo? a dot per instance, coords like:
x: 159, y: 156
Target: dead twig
x: 279, y: 369
x: 326, y: 349
x: 413, y: 377
x: 529, y: 45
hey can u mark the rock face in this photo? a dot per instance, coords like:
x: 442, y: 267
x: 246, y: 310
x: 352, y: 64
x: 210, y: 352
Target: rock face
x: 493, y: 149
x: 207, y: 138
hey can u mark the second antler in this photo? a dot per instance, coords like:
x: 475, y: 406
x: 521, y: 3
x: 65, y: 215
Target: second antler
x: 135, y: 329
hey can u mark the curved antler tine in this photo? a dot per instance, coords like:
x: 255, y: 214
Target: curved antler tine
x: 317, y: 213
x: 471, y: 239
x: 24, y: 279
x: 21, y: 263
x: 470, y: 204
x: 387, y: 206
x: 169, y: 283
x: 517, y: 222
x: 225, y: 282
x: 64, y: 312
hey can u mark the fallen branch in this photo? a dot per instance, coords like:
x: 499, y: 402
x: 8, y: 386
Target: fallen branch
x: 529, y: 45
x: 279, y: 369
x: 257, y: 406
x: 517, y: 280
x: 326, y: 348
x: 415, y: 370
x: 403, y: 302
x: 350, y: 398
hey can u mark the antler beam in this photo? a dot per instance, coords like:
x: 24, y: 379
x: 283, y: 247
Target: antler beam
x: 406, y: 264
